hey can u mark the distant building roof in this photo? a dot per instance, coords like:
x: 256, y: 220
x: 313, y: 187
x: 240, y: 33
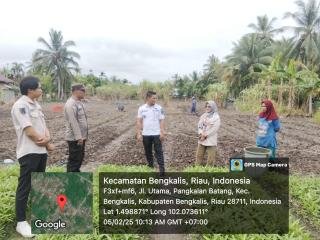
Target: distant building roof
x: 3, y: 79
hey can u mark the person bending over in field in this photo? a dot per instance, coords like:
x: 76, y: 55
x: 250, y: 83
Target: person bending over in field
x: 208, y: 127
x: 268, y: 126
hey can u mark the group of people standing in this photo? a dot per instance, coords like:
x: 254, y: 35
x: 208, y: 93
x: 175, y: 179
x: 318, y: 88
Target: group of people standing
x: 150, y: 130
x: 34, y: 139
x: 268, y: 124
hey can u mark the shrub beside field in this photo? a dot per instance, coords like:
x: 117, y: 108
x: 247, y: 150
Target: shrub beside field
x: 304, y: 189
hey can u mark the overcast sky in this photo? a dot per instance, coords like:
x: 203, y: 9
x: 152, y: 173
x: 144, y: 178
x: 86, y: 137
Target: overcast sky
x: 134, y: 39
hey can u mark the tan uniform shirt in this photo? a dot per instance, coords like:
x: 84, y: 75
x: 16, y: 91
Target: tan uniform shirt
x: 209, y: 126
x: 76, y: 120
x: 25, y: 113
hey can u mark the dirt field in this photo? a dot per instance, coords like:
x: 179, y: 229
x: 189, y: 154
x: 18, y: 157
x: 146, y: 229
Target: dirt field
x: 112, y: 136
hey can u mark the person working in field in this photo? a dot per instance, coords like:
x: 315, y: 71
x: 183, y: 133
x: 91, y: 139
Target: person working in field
x: 193, y: 105
x: 208, y: 127
x: 268, y: 126
x: 150, y: 129
x: 32, y: 145
x: 76, y: 127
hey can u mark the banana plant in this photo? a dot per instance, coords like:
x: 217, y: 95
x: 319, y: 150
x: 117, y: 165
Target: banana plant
x: 310, y: 83
x: 274, y: 74
x: 291, y: 73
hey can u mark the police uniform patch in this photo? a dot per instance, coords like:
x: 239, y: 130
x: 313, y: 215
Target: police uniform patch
x: 162, y: 111
x: 22, y: 110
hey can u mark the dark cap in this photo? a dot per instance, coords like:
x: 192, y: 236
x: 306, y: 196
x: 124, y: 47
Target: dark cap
x: 78, y: 86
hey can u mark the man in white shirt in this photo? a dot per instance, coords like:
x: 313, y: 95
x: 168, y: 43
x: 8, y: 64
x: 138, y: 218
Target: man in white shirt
x: 150, y: 129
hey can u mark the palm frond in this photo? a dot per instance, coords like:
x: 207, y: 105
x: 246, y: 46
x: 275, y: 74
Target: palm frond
x: 44, y: 42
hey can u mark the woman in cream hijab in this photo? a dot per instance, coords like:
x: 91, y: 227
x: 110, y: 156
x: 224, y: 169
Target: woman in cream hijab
x: 208, y: 127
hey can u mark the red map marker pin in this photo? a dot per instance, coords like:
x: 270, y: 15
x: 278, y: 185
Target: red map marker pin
x: 61, y: 200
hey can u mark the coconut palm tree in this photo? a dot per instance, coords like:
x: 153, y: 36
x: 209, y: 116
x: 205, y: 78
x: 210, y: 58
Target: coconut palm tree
x: 264, y: 28
x: 306, y: 31
x: 249, y: 57
x: 211, y: 69
x: 283, y: 47
x: 211, y: 63
x: 5, y: 71
x: 232, y: 77
x: 57, y: 60
x: 316, y: 66
x: 250, y: 53
x: 17, y: 71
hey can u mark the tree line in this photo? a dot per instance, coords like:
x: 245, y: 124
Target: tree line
x: 260, y: 65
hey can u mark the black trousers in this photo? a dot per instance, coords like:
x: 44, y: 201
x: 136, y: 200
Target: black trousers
x: 76, y: 155
x: 28, y: 164
x: 148, y: 142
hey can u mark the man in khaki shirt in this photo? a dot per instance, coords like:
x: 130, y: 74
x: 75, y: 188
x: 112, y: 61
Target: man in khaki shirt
x: 32, y: 143
x: 76, y: 127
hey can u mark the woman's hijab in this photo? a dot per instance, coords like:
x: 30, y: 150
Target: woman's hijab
x: 213, y: 107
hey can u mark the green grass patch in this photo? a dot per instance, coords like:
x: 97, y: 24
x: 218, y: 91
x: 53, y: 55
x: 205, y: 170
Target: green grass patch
x: 304, y: 189
x: 95, y: 235
x: 316, y: 117
x: 296, y: 232
x: 8, y: 185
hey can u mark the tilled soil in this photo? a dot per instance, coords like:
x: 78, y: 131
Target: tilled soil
x: 112, y: 136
